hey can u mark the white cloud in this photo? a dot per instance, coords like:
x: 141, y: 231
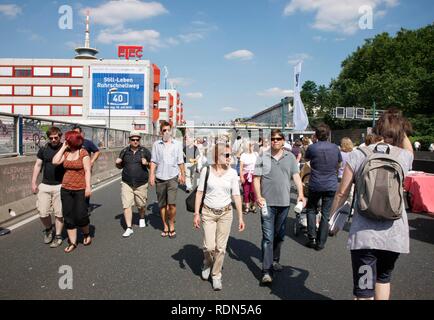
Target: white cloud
x: 119, y: 12
x: 319, y: 39
x: 276, y: 93
x: 180, y: 82
x: 295, y: 58
x: 10, y: 10
x: 194, y: 95
x: 338, y: 15
x: 150, y: 39
x: 190, y: 37
x: 229, y: 109
x: 240, y: 55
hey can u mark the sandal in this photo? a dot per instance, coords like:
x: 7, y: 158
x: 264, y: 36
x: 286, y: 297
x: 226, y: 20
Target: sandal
x: 71, y: 247
x: 172, y: 234
x: 87, y: 239
x: 164, y: 234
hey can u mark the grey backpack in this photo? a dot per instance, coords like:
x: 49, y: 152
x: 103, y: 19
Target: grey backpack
x: 379, y: 184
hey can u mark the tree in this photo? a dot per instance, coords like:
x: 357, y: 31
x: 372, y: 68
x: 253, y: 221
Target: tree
x: 308, y: 95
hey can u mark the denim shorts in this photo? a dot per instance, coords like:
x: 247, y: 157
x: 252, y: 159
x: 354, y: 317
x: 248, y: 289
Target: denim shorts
x: 371, y: 266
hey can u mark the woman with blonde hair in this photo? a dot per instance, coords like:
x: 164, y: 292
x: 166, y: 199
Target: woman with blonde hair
x: 346, y: 147
x: 216, y: 211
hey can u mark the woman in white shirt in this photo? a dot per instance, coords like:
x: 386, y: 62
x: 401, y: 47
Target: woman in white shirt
x: 217, y: 211
x: 247, y: 166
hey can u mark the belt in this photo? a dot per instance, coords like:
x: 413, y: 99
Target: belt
x: 218, y: 211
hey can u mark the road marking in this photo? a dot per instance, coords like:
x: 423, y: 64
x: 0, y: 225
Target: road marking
x: 36, y: 216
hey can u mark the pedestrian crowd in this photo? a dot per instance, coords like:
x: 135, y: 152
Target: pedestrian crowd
x: 245, y: 177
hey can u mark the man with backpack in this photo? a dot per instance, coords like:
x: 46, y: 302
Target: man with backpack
x: 325, y: 159
x: 379, y: 230
x: 134, y: 161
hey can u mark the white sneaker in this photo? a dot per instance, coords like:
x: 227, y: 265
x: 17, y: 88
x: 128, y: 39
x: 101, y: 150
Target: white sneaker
x: 142, y: 223
x: 128, y: 233
x: 205, y: 273
x: 217, y: 284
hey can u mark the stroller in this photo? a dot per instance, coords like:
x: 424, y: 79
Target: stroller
x: 300, y: 224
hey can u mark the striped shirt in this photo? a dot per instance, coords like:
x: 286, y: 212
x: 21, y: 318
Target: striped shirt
x: 167, y: 157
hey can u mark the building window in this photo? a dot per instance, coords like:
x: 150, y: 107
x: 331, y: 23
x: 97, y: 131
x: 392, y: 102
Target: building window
x: 77, y: 72
x: 24, y: 110
x: 41, y: 91
x: 60, y: 91
x: 5, y: 90
x: 40, y: 110
x: 22, y: 91
x: 76, y: 110
x: 42, y: 71
x: 61, y: 72
x: 60, y: 110
x: 76, y: 92
x: 6, y: 71
x: 139, y: 126
x: 23, y: 71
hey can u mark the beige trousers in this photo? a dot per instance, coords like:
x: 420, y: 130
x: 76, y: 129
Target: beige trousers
x: 216, y: 230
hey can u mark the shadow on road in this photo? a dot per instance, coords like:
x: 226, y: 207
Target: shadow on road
x: 287, y: 284
x: 423, y: 229
x: 190, y: 255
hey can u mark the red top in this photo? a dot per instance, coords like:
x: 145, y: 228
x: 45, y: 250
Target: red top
x: 74, y: 178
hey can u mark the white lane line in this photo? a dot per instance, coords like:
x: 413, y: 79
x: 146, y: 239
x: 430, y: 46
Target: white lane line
x: 36, y: 216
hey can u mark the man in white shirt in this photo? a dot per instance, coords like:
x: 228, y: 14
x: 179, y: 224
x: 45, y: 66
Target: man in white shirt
x: 167, y: 170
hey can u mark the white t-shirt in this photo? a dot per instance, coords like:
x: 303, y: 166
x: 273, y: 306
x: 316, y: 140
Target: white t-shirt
x: 219, y: 189
x: 249, y: 161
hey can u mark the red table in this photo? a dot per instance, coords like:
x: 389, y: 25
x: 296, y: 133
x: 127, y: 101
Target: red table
x: 421, y: 188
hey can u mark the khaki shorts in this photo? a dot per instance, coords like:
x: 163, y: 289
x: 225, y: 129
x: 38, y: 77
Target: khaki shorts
x: 131, y: 196
x: 166, y: 191
x: 49, y: 201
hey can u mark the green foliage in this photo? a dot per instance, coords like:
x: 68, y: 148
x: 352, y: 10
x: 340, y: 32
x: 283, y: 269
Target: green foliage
x: 392, y: 71
x: 425, y: 141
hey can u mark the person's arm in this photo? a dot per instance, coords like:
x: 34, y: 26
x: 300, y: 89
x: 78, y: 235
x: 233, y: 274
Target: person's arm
x: 257, y: 185
x: 95, y: 157
x: 198, y: 200
x: 181, y: 176
x: 344, y: 190
x: 36, y: 169
x: 241, y: 172
x: 59, y: 156
x: 297, y: 180
x: 239, y: 207
x: 152, y: 174
x: 298, y: 157
x: 87, y: 168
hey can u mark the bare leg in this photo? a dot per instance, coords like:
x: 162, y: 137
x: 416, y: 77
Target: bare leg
x: 163, y: 213
x: 128, y: 214
x: 172, y: 216
x: 72, y: 235
x: 46, y: 222
x: 142, y: 212
x: 382, y: 291
x: 59, y: 226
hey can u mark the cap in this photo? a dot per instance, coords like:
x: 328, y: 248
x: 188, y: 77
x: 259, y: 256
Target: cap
x: 135, y: 134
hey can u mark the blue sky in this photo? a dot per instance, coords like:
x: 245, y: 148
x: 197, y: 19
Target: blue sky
x: 228, y: 58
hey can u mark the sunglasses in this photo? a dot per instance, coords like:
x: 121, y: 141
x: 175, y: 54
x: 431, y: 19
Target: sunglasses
x: 135, y: 140
x: 54, y: 138
x: 165, y: 130
x: 227, y: 155
x: 276, y: 139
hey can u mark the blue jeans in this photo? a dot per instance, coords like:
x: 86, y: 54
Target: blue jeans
x: 312, y: 205
x: 273, y: 233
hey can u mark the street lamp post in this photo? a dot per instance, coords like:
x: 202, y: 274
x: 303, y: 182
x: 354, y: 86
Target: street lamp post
x: 109, y: 104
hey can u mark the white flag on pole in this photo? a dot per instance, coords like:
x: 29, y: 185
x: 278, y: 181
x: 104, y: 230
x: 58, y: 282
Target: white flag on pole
x: 300, y: 117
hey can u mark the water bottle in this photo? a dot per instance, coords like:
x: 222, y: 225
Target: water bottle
x: 264, y: 210
x: 299, y: 207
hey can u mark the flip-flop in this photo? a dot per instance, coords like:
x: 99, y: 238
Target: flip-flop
x: 89, y: 241
x: 172, y: 234
x: 71, y: 247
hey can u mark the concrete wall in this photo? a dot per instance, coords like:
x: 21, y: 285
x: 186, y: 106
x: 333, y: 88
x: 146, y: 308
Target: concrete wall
x: 15, y: 183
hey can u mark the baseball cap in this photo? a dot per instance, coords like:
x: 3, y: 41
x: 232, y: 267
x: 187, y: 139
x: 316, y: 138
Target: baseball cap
x: 135, y: 134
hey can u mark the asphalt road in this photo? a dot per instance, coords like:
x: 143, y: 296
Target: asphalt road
x: 147, y: 266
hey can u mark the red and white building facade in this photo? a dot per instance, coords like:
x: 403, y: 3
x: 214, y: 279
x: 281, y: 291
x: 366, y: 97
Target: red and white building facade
x: 59, y: 89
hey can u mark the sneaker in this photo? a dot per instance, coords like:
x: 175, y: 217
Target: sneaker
x: 266, y: 278
x: 56, y: 242
x: 128, y: 233
x: 277, y: 266
x: 48, y: 235
x: 205, y: 273
x: 217, y: 284
x: 142, y: 223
